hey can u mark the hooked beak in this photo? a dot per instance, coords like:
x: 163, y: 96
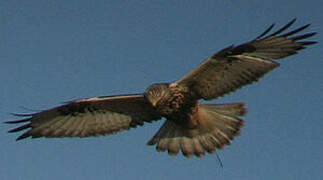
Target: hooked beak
x: 154, y: 103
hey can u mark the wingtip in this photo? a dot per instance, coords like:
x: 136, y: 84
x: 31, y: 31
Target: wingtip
x: 151, y: 142
x: 293, y: 20
x: 306, y: 43
x: 306, y: 26
x: 19, y: 139
x: 266, y: 31
x: 21, y: 115
x: 24, y: 136
x: 20, y: 128
x: 17, y: 121
x: 295, y: 31
x: 289, y: 24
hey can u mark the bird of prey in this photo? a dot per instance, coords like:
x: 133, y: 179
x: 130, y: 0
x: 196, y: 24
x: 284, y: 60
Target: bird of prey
x: 190, y: 127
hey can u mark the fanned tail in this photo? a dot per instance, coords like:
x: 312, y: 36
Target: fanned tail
x: 217, y: 125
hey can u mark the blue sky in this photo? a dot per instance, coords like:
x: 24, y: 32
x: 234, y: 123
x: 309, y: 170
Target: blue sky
x: 56, y: 51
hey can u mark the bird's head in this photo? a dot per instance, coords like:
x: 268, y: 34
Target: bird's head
x: 156, y: 92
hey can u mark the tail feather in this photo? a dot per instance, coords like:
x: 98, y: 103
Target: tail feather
x: 217, y: 126
x: 236, y: 109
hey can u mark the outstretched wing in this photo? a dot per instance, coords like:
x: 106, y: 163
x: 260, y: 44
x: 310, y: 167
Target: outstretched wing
x: 236, y: 66
x: 88, y: 117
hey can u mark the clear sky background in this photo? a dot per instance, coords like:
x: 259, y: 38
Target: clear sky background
x: 56, y: 51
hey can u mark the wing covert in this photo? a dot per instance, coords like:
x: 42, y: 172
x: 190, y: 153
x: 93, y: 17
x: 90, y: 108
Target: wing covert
x: 88, y: 117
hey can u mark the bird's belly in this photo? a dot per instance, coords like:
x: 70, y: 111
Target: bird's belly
x: 181, y: 115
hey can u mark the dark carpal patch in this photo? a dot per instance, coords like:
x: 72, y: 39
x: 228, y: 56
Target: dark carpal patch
x: 76, y: 108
